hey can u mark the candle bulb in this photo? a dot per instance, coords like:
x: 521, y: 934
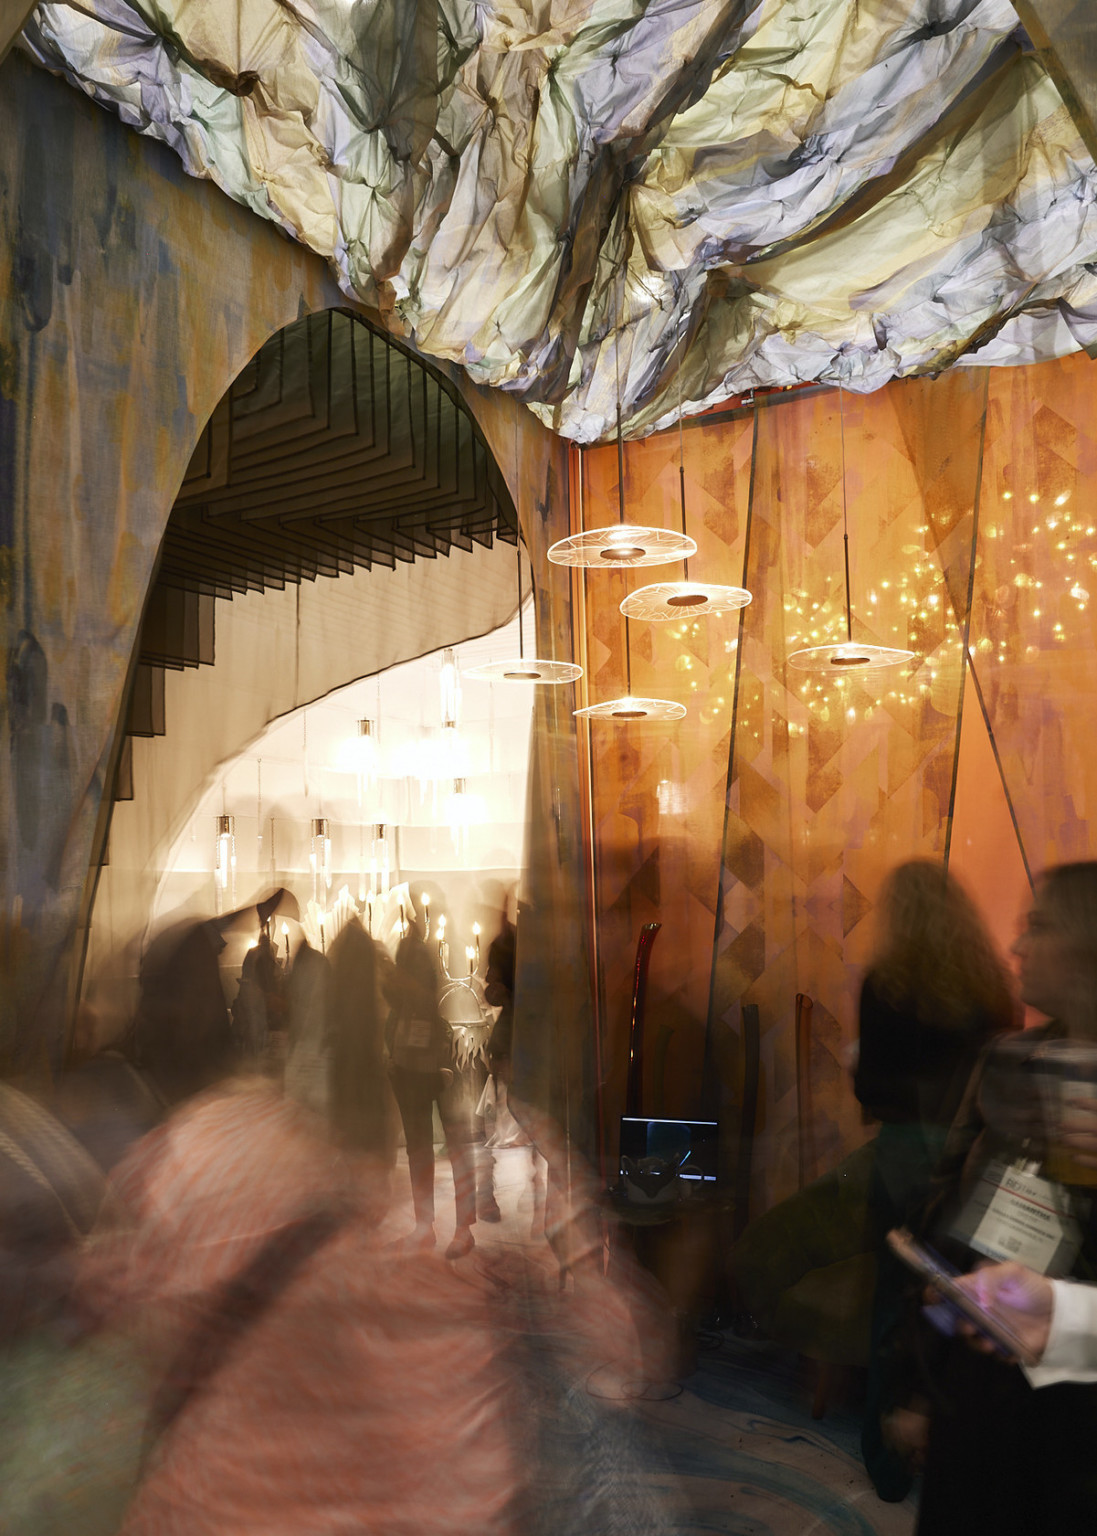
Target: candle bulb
x: 476, y: 936
x: 285, y: 938
x: 470, y: 956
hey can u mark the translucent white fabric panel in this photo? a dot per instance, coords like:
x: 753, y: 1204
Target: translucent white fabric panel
x: 274, y: 652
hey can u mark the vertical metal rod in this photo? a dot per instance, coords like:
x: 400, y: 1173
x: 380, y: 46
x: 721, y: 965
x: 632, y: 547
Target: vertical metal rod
x: 620, y: 439
x: 521, y: 650
x: 621, y: 471
x: 682, y: 458
x: 845, y: 513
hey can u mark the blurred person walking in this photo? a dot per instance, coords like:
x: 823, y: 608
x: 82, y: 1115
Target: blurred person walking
x: 308, y: 1054
x: 934, y: 994
x: 307, y: 1372
x: 359, y: 1097
x: 315, y: 1379
x: 422, y: 1075
x: 1007, y: 1449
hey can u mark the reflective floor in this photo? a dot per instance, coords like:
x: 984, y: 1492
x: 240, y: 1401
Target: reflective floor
x: 737, y: 1449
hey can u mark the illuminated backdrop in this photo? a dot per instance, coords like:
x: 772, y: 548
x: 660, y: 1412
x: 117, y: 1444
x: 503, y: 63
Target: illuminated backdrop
x: 759, y: 828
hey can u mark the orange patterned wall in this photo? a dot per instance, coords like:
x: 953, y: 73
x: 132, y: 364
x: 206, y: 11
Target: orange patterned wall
x: 658, y: 791
x: 759, y: 828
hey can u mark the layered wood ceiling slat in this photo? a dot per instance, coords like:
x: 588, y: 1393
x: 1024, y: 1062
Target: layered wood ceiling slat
x: 333, y: 450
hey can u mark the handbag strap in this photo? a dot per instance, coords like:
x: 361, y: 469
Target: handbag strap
x: 240, y: 1304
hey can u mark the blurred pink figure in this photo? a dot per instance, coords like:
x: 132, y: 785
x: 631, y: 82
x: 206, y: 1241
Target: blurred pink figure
x: 314, y: 1381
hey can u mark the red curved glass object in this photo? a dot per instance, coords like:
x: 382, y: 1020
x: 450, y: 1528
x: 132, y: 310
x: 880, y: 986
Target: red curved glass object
x: 634, y: 1086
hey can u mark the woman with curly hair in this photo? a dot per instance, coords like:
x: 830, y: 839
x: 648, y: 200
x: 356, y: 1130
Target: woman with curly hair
x: 1009, y: 1448
x: 934, y: 994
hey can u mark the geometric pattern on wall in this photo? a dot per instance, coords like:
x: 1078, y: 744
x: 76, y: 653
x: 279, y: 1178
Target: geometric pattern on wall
x: 990, y: 763
x: 658, y: 790
x: 1034, y: 625
x: 835, y: 779
x: 795, y: 794
x: 985, y: 853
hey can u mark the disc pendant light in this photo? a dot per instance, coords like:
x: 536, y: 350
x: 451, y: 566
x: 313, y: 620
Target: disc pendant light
x: 664, y: 601
x: 622, y: 546
x: 630, y: 706
x: 526, y: 669
x: 626, y: 544
x: 848, y: 655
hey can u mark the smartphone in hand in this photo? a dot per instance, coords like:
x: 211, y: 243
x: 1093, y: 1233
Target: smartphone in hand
x: 930, y: 1267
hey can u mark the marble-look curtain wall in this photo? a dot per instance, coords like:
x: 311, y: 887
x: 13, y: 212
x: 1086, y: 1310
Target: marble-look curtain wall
x: 130, y: 297
x: 554, y: 1057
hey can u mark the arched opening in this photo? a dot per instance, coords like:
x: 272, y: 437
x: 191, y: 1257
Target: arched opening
x: 341, y: 517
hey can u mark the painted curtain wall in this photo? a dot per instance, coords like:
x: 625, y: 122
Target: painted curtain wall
x: 759, y: 828
x: 130, y: 296
x: 1027, y: 784
x: 554, y: 1052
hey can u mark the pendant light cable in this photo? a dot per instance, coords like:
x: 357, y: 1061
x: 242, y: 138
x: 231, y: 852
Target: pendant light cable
x: 622, y: 544
x: 621, y: 469
x: 682, y: 453
x: 537, y: 669
x: 845, y: 656
x: 665, y: 602
x: 845, y: 514
x: 620, y: 439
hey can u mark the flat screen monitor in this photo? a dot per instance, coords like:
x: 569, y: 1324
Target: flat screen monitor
x: 688, y: 1148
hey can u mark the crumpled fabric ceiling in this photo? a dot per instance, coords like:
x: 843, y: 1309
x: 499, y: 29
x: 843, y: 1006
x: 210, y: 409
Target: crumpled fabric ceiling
x: 587, y: 201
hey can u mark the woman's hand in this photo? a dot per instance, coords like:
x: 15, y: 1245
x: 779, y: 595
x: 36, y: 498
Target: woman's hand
x: 1018, y: 1296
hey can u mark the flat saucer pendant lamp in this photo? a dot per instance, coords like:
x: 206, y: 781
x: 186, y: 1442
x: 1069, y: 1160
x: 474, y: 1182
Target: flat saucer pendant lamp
x: 624, y: 544
x: 664, y: 601
x: 525, y: 669
x: 848, y: 655
x: 630, y: 706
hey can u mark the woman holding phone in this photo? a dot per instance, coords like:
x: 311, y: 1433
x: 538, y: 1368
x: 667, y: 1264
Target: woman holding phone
x: 1056, y: 1320
x: 1011, y: 1448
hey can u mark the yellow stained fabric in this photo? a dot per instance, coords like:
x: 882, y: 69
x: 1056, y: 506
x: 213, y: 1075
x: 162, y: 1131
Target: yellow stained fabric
x: 552, y: 193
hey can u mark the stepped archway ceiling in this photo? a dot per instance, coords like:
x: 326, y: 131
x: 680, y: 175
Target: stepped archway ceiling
x: 554, y: 192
